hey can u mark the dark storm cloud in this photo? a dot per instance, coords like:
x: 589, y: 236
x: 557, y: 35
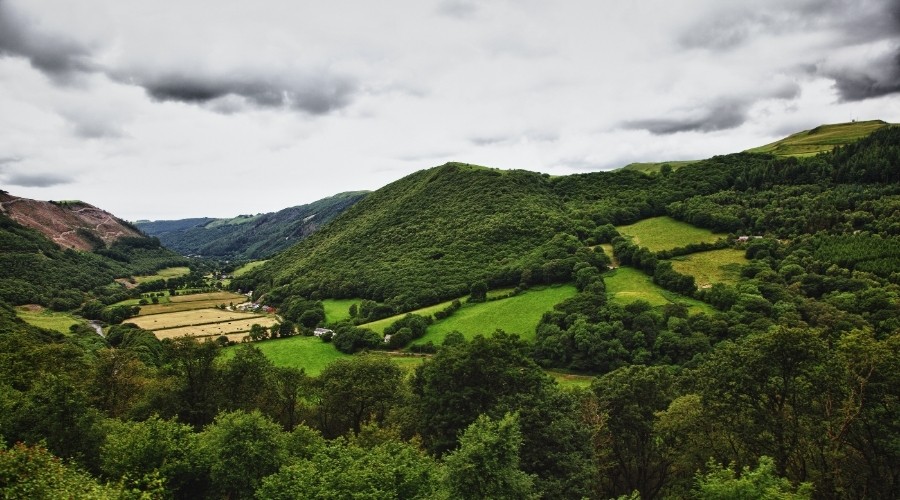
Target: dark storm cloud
x: 315, y: 95
x: 57, y: 56
x: 36, y: 179
x: 881, y: 77
x: 723, y: 115
x: 717, y: 114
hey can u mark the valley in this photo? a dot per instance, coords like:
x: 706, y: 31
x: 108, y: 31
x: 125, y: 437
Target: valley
x: 600, y: 326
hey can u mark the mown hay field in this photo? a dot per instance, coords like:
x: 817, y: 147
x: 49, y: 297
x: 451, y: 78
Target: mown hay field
x: 666, y: 233
x: 188, y: 318
x: 163, y: 274
x: 216, y: 329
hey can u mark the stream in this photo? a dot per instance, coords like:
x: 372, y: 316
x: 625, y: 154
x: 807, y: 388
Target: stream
x: 97, y: 326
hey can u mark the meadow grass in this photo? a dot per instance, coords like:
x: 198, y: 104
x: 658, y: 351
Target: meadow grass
x: 608, y: 250
x: 187, y: 318
x: 164, y: 274
x: 246, y: 268
x: 651, y: 167
x: 519, y: 314
x: 570, y: 380
x: 47, y: 319
x: 714, y: 266
x: 626, y: 285
x: 380, y: 325
x: 308, y: 353
x: 666, y: 233
x: 338, y: 309
x: 820, y: 139
x: 232, y: 327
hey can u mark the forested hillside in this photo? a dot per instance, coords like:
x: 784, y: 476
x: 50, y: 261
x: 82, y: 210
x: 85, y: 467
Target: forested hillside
x: 35, y: 270
x: 248, y: 237
x: 784, y: 384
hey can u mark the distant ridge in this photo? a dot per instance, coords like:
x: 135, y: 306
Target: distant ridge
x: 69, y: 224
x: 821, y: 139
x: 249, y: 236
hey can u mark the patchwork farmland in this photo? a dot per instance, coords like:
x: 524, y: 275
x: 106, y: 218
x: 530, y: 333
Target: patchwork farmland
x: 201, y: 315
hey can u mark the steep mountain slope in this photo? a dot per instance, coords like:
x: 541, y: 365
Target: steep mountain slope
x: 70, y: 224
x: 61, y: 254
x: 245, y: 236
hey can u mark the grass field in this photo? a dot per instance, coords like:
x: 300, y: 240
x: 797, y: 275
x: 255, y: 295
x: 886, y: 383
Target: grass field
x: 626, y: 285
x: 608, y: 250
x: 519, y: 314
x: 820, y: 139
x: 164, y: 274
x: 188, y: 318
x: 570, y: 380
x: 309, y: 353
x: 45, y: 318
x: 246, y: 268
x: 195, y: 297
x: 380, y: 325
x: 714, y: 266
x: 666, y: 233
x: 338, y: 309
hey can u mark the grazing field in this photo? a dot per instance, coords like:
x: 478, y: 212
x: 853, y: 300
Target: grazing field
x: 626, y: 285
x: 308, y: 353
x: 164, y: 274
x: 380, y: 325
x: 45, y: 318
x: 246, y: 268
x: 215, y: 329
x: 714, y: 266
x: 519, y: 314
x: 195, y: 297
x: 820, y: 139
x: 666, y: 233
x: 338, y: 309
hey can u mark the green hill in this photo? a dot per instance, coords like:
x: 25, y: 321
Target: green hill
x: 650, y: 167
x: 248, y: 236
x: 821, y: 139
x: 431, y: 235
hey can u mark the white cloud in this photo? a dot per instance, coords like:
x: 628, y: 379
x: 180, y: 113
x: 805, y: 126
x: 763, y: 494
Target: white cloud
x: 185, y: 108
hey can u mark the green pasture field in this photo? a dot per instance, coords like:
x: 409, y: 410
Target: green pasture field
x: 164, y: 274
x: 626, y: 285
x: 338, y: 309
x: 380, y: 325
x: 191, y: 302
x: 246, y: 268
x: 714, y: 266
x: 519, y: 314
x: 666, y: 233
x: 308, y: 353
x: 45, y: 318
x: 608, y: 250
x: 820, y: 139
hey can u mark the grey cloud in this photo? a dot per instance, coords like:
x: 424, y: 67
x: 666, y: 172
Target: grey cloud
x: 37, y: 179
x: 460, y: 9
x: 881, y: 77
x: 315, y: 95
x: 723, y: 115
x: 57, y: 56
x: 533, y: 136
x: 719, y: 114
x: 850, y: 21
x: 8, y: 160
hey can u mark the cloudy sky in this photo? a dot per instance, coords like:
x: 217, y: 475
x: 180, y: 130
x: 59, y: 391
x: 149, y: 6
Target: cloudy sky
x: 185, y: 108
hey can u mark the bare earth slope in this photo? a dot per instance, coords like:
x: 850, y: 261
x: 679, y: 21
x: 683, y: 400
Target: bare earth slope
x: 69, y: 224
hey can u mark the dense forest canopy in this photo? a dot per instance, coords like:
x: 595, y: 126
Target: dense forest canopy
x: 787, y: 386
